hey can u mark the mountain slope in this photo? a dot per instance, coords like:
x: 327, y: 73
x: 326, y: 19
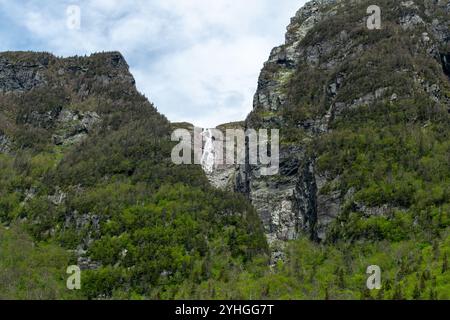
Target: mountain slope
x: 365, y: 155
x: 85, y: 163
x: 364, y: 177
x: 364, y: 120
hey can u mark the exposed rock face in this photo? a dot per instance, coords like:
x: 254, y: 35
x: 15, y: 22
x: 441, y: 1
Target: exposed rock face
x: 56, y: 103
x: 286, y: 203
x: 223, y: 175
x: 5, y: 144
x: 60, y: 97
x: 284, y: 59
x: 73, y: 126
x: 19, y: 76
x: 296, y: 201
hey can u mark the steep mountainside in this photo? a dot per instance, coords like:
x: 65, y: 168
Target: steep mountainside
x: 364, y: 116
x: 85, y: 164
x: 364, y: 119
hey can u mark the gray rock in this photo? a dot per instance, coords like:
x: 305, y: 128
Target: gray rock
x: 73, y: 126
x: 411, y: 21
x: 299, y: 201
x: 5, y: 144
x: 20, y: 77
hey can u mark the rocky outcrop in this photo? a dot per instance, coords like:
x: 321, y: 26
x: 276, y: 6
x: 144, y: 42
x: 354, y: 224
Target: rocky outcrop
x: 59, y: 98
x: 299, y: 201
x: 286, y: 203
x: 284, y: 59
x: 73, y: 126
x: 5, y: 144
x: 223, y: 175
x: 54, y: 104
x: 22, y: 75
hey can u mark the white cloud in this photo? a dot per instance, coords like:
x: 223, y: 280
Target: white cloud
x: 198, y: 60
x: 208, y: 77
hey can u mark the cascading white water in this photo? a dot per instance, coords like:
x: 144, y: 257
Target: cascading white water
x: 208, y: 156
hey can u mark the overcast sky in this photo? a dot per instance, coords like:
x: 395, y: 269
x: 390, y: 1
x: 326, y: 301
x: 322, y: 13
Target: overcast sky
x: 197, y: 60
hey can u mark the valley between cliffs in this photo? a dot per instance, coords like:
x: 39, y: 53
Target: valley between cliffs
x: 364, y: 116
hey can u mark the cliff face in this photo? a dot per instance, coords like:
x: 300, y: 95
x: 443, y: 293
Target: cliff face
x: 273, y: 197
x: 332, y: 79
x: 223, y: 175
x: 51, y: 108
x: 85, y: 162
x: 60, y: 100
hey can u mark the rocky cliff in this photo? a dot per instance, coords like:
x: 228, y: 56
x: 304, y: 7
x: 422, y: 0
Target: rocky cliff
x: 49, y: 107
x: 85, y: 162
x: 60, y: 100
x: 331, y: 78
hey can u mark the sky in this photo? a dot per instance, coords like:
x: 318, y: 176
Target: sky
x: 197, y: 60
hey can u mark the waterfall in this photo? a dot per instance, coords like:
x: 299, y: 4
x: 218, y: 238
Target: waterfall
x: 208, y: 156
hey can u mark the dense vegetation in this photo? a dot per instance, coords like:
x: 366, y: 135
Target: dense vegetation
x: 149, y: 229
x: 28, y: 271
x: 114, y: 198
x: 387, y: 157
x: 410, y: 270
